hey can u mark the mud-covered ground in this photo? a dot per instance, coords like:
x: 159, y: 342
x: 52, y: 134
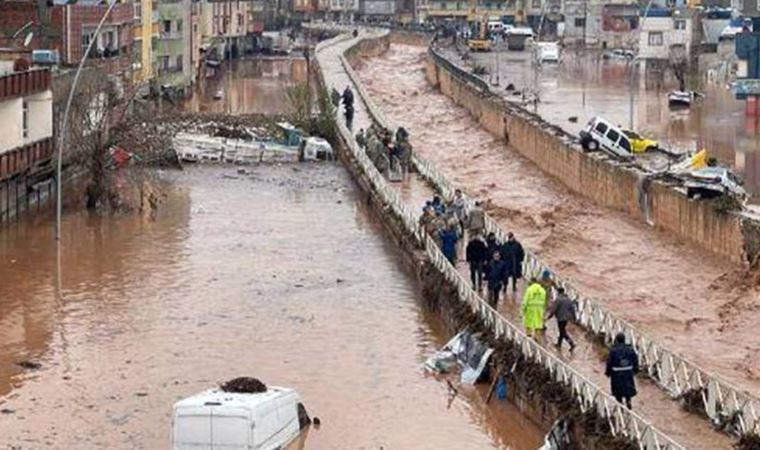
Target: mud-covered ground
x: 280, y: 273
x: 691, y: 302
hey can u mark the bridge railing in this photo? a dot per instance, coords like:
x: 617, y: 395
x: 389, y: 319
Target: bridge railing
x: 622, y: 421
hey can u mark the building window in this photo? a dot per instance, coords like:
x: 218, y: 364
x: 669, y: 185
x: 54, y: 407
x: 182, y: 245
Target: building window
x: 195, y: 28
x: 164, y: 63
x: 87, y: 36
x: 179, y: 63
x: 138, y: 10
x: 240, y: 20
x: 680, y: 24
x: 758, y: 5
x: 25, y: 119
x: 167, y: 26
x: 536, y: 4
x: 655, y: 38
x: 580, y: 22
x: 179, y: 26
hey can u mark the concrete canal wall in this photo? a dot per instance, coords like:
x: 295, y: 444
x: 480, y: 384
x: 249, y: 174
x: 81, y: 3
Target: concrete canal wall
x: 595, y: 176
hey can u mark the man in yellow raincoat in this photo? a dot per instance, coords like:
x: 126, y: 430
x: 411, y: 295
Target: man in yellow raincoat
x: 533, y: 308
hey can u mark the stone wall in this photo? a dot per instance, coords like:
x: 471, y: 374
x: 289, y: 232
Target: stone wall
x: 598, y: 178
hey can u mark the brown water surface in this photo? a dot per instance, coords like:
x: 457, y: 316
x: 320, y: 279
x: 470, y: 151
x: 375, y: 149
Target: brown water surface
x: 281, y: 273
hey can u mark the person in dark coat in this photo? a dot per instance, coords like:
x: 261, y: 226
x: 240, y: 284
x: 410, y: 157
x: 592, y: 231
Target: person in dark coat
x: 492, y: 245
x: 495, y: 277
x: 514, y: 255
x: 449, y: 238
x: 564, y: 310
x: 622, y: 366
x: 477, y: 257
x: 348, y: 98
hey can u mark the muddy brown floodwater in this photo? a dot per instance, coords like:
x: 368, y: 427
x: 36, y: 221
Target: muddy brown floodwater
x: 693, y: 303
x: 251, y: 86
x: 281, y: 273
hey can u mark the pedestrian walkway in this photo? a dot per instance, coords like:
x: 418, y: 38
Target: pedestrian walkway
x: 667, y: 415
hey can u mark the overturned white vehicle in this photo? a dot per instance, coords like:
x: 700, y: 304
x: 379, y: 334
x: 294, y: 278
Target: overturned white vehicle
x: 709, y: 182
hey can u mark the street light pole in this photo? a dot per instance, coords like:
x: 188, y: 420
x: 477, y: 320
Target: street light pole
x: 64, y: 126
x: 633, y: 63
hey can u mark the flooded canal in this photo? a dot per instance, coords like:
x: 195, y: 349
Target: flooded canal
x: 252, y: 86
x: 689, y: 301
x: 281, y: 273
x: 584, y: 87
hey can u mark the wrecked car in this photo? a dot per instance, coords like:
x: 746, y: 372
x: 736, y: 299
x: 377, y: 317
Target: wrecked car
x: 600, y: 134
x: 640, y: 144
x: 464, y: 350
x: 709, y: 182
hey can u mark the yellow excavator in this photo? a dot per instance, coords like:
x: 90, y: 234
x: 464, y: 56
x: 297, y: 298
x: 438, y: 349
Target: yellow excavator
x: 481, y: 43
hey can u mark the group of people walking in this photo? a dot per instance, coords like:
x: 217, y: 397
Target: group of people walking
x: 386, y: 150
x: 494, y: 264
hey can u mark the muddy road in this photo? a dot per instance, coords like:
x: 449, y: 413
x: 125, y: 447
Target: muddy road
x: 281, y: 273
x: 691, y: 302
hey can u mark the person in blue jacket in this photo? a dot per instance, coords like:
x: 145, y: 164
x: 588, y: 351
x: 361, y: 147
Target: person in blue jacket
x: 495, y: 274
x: 449, y: 237
x: 622, y: 366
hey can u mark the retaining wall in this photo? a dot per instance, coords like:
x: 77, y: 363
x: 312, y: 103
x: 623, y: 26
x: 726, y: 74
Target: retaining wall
x: 594, y: 175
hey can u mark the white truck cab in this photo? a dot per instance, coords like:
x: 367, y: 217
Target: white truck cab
x: 235, y: 421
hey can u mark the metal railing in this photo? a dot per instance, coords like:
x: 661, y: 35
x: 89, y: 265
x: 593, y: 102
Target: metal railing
x: 727, y: 406
x: 622, y: 421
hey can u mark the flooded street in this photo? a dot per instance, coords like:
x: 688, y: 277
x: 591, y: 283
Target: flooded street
x: 585, y: 86
x: 253, y: 86
x: 687, y: 300
x: 281, y: 273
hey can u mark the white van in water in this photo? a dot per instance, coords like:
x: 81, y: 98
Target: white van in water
x: 232, y: 421
x: 602, y: 135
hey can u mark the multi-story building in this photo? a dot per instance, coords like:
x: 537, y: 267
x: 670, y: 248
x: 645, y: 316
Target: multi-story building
x: 228, y: 26
x: 145, y: 37
x: 344, y: 9
x: 599, y: 23
x: 377, y: 9
x: 77, y: 22
x: 26, y: 121
x: 174, y: 48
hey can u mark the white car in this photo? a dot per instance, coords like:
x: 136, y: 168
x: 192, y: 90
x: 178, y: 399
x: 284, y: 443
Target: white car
x: 709, y: 182
x: 600, y: 134
x: 546, y: 52
x: 217, y: 419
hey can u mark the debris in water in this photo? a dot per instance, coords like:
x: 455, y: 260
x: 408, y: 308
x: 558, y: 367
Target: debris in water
x: 141, y: 394
x: 7, y: 411
x: 29, y: 365
x: 245, y: 385
x: 316, y: 422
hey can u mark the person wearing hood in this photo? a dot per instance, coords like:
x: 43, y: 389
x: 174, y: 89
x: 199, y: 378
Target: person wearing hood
x: 534, y: 309
x: 458, y: 206
x: 622, y: 366
x: 514, y: 255
x: 449, y: 237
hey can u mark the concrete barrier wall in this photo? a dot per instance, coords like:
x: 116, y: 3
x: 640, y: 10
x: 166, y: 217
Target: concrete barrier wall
x: 595, y: 176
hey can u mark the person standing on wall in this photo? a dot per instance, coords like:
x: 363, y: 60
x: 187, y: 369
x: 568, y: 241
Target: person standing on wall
x: 564, y: 310
x: 622, y: 366
x: 514, y: 255
x: 534, y: 309
x: 477, y: 257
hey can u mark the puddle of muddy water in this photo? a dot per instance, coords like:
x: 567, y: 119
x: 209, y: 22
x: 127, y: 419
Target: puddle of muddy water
x: 280, y: 273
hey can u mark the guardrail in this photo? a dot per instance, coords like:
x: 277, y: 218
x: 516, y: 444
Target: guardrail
x: 727, y: 406
x: 622, y: 421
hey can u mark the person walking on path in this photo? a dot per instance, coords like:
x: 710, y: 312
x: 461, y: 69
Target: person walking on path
x: 492, y: 246
x: 361, y: 140
x: 534, y: 309
x: 564, y: 310
x: 458, y: 206
x: 622, y: 366
x: 449, y: 238
x: 476, y: 219
x: 514, y: 255
x: 495, y: 277
x: 477, y: 257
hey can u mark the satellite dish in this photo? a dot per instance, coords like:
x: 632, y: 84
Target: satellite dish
x: 28, y: 39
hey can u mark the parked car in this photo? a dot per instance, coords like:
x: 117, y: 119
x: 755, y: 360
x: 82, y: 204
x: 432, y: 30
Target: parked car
x: 709, y: 182
x: 618, y: 53
x: 602, y: 135
x: 546, y: 52
x: 640, y: 144
x: 217, y: 419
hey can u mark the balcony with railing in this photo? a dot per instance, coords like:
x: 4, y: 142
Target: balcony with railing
x: 23, y: 159
x: 21, y: 84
